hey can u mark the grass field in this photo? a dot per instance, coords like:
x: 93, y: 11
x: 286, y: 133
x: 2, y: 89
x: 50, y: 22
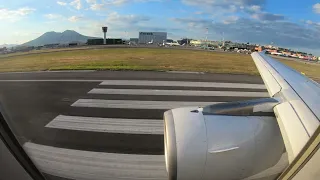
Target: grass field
x: 142, y: 59
x: 310, y: 70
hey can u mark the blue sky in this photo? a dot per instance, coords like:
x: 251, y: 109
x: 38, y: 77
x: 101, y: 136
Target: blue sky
x: 289, y: 23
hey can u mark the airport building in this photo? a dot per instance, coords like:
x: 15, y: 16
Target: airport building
x: 205, y: 42
x: 152, y: 37
x: 134, y: 40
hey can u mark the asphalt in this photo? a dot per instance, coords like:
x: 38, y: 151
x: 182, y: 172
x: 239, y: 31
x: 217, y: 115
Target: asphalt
x: 32, y: 100
x: 130, y: 75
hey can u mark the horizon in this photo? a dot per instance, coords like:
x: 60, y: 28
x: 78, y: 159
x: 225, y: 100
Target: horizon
x: 257, y: 22
x: 137, y: 37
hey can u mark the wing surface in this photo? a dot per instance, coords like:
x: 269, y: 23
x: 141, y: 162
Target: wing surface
x: 298, y: 114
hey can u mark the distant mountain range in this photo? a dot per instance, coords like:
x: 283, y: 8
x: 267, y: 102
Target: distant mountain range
x: 8, y: 45
x: 52, y: 37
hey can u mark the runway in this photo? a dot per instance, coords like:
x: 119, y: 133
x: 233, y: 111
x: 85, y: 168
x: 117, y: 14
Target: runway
x: 107, y: 124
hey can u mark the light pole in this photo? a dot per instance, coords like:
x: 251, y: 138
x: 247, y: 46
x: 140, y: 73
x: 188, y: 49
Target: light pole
x: 207, y: 32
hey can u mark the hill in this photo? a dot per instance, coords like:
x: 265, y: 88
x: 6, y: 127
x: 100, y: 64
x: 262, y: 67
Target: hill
x: 52, y: 37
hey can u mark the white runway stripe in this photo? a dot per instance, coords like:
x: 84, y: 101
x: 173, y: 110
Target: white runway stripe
x: 112, y: 125
x: 76, y: 164
x: 155, y: 92
x: 183, y: 83
x: 128, y: 104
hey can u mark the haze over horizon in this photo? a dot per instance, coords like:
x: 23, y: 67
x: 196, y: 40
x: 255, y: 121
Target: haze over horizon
x: 290, y: 24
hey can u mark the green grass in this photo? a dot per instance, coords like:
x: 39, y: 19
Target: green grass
x: 131, y: 59
x: 157, y: 59
x: 310, y: 70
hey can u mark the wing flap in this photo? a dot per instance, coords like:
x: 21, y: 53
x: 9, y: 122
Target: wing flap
x: 309, y: 120
x: 292, y: 130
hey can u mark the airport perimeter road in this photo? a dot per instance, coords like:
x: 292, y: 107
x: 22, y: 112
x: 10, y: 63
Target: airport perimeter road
x: 107, y: 124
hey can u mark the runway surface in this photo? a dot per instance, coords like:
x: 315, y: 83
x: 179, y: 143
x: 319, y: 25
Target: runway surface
x: 107, y: 124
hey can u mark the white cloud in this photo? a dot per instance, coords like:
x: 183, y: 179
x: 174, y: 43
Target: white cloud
x: 316, y: 8
x: 223, y: 3
x: 76, y: 4
x: 312, y: 24
x: 230, y: 19
x: 267, y: 17
x: 53, y: 16
x: 74, y: 18
x: 91, y: 1
x: 199, y: 12
x: 117, y: 2
x: 309, y: 22
x: 15, y: 15
x: 122, y: 2
x: 96, y: 7
x: 61, y: 3
x: 127, y: 20
x: 233, y: 8
x: 23, y: 33
x: 194, y: 22
x: 223, y: 8
x: 254, y: 8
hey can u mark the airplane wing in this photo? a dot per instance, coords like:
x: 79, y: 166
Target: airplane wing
x: 298, y: 114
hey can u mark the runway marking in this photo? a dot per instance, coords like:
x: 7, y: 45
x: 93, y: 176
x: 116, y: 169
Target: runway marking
x: 78, y: 164
x: 155, y: 92
x: 128, y: 104
x: 185, y: 72
x: 111, y: 125
x: 182, y: 83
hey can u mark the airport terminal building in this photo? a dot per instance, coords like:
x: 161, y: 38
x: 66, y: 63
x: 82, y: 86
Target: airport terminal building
x: 155, y: 37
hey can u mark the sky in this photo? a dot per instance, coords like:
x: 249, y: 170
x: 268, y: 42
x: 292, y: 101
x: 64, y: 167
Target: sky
x: 292, y: 24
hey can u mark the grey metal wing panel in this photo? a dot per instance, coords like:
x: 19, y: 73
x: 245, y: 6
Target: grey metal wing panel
x: 299, y: 113
x: 307, y: 89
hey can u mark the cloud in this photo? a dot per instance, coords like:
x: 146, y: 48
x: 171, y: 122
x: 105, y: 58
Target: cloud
x: 316, y: 8
x: 61, y: 3
x: 91, y: 1
x: 74, y: 18
x: 312, y: 24
x: 53, y: 16
x: 230, y: 19
x: 193, y: 22
x: 15, y: 15
x: 96, y: 7
x: 199, y: 12
x: 223, y: 3
x: 23, y: 33
x: 223, y: 8
x: 268, y: 17
x: 122, y: 2
x: 309, y: 22
x: 76, y: 4
x: 233, y: 8
x: 254, y: 8
x: 115, y: 18
x: 117, y: 2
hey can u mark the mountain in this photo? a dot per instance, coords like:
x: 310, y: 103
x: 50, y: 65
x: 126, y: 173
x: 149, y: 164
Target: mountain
x: 58, y: 38
x: 8, y: 45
